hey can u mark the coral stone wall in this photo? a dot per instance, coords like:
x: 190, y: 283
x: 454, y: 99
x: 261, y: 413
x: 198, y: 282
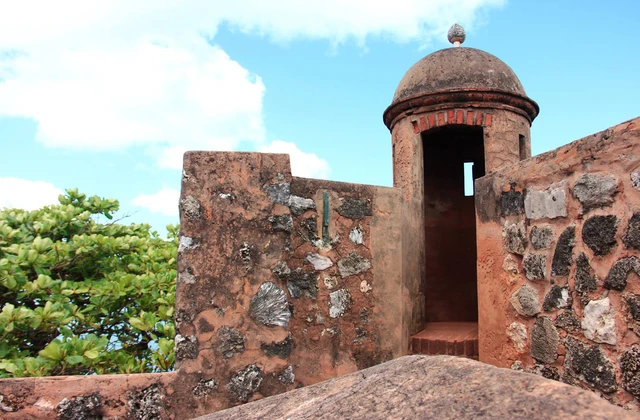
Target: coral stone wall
x: 282, y: 281
x: 558, y: 245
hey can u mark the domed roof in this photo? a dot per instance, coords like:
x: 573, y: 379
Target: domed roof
x: 458, y: 76
x: 458, y: 69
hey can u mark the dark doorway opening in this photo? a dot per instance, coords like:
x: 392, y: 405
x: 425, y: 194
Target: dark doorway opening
x: 450, y: 232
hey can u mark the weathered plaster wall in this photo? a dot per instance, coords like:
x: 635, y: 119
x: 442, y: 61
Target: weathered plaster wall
x: 502, y: 139
x: 558, y: 245
x: 408, y: 172
x: 282, y: 281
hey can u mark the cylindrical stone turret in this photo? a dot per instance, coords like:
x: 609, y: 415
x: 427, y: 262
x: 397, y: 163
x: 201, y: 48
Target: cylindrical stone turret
x: 456, y: 115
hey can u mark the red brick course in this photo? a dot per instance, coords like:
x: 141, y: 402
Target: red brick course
x: 423, y: 124
x: 451, y: 116
x: 432, y: 120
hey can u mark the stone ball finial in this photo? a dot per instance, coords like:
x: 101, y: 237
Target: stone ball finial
x: 456, y: 35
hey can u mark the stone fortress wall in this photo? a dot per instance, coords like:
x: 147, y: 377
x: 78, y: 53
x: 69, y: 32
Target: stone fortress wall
x: 282, y: 281
x: 285, y: 282
x: 561, y: 234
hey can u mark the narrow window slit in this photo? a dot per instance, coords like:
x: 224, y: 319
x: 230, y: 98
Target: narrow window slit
x: 468, y: 179
x: 522, y: 146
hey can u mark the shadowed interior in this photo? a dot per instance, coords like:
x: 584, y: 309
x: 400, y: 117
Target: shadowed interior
x: 450, y: 224
x: 450, y: 241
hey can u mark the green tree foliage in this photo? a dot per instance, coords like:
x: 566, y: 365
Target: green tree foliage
x: 78, y: 296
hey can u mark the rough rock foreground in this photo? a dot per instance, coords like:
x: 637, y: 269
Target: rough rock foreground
x: 438, y: 387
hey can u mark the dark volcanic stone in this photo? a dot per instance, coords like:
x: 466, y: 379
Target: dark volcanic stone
x: 355, y: 208
x: 511, y: 202
x: 541, y: 237
x: 282, y: 223
x: 186, y: 347
x: 599, y: 233
x: 231, y: 341
x: 308, y: 229
x: 80, y: 408
x: 353, y: 264
x: 431, y: 387
x: 586, y: 279
x: 514, y: 237
x: 279, y: 193
x: 204, y: 387
x: 617, y: 277
x: 557, y: 298
x: 630, y: 367
x: 590, y: 364
x: 190, y: 207
x: 286, y: 376
x: 568, y: 321
x: 146, y: 404
x: 282, y: 270
x: 302, y: 283
x: 563, y: 256
x: 633, y: 302
x: 269, y: 306
x: 544, y: 341
x: 549, y: 372
x: 534, y: 266
x: 595, y: 190
x: 632, y: 234
x: 245, y: 255
x: 281, y: 349
x: 245, y: 383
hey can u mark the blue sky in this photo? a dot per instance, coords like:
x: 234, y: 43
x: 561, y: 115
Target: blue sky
x: 107, y: 98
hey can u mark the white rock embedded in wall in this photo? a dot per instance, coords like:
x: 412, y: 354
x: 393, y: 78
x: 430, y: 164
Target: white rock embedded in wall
x: 365, y: 287
x: 598, y: 321
x: 356, y: 235
x: 330, y: 282
x: 339, y: 303
x: 549, y: 203
x: 319, y: 262
x: 517, y: 333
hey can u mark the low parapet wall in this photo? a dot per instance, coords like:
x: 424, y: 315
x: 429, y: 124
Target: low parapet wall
x: 558, y: 244
x: 141, y: 396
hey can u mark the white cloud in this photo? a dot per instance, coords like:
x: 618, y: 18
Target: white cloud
x: 27, y: 195
x: 307, y: 165
x: 191, y: 96
x: 109, y: 75
x: 164, y: 202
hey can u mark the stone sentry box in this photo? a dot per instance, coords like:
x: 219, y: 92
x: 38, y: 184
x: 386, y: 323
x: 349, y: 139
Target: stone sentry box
x: 282, y: 281
x: 454, y: 106
x: 558, y: 246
